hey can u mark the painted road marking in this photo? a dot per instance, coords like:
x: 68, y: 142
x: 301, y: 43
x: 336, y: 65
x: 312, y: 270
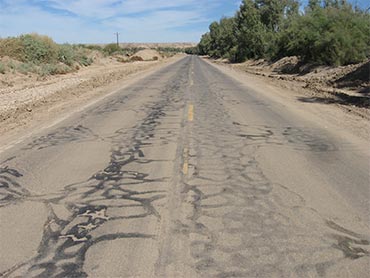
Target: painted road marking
x: 185, y: 168
x: 191, y: 113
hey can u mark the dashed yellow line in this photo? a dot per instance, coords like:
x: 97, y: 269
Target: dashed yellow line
x: 185, y: 168
x: 191, y: 113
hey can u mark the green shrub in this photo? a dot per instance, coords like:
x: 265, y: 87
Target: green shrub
x: 192, y: 50
x: 70, y: 54
x: 92, y: 47
x: 67, y: 54
x: 85, y: 61
x: 112, y: 49
x: 26, y: 68
x: 39, y: 49
x: 52, y: 69
x: 63, y: 69
x: 95, y: 47
x: 2, y: 68
x: 170, y: 50
x: 12, y: 65
x: 40, y: 54
x: 34, y: 50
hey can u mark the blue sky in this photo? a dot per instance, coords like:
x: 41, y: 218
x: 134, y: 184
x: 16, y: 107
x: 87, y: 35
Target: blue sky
x: 96, y: 21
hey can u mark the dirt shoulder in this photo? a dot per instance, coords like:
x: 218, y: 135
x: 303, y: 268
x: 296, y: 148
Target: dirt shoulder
x: 320, y: 105
x: 28, y: 103
x: 347, y: 87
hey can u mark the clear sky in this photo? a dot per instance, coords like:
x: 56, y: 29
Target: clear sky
x: 96, y: 21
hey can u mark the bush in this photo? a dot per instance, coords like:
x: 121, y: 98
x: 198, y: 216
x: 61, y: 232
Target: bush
x: 39, y: 49
x: 12, y: 47
x: 170, y: 50
x: 2, y: 68
x: 12, y: 66
x: 67, y: 54
x: 92, y: 47
x: 52, y: 69
x: 85, y: 61
x: 192, y: 50
x: 112, y: 49
x: 26, y: 68
x: 42, y: 55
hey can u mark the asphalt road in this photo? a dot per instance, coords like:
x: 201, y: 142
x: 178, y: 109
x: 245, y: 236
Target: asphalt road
x: 187, y: 173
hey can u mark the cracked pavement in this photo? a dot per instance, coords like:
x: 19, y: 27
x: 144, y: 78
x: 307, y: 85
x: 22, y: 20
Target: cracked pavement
x: 187, y: 173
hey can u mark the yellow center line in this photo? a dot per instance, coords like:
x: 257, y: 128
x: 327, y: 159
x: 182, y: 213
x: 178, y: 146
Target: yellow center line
x: 191, y: 113
x: 185, y: 168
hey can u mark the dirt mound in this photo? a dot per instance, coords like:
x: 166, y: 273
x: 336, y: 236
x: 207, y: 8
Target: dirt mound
x: 146, y: 55
x: 360, y: 77
x: 286, y: 64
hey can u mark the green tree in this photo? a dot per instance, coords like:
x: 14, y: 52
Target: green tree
x: 329, y: 32
x: 205, y: 44
x: 272, y: 12
x: 250, y: 32
x: 332, y: 34
x: 214, y: 33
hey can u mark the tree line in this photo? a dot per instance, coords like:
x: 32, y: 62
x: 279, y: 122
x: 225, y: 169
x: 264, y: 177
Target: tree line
x: 331, y: 32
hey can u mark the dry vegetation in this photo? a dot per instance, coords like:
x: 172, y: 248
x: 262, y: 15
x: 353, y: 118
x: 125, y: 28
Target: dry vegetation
x: 33, y: 53
x: 39, y: 55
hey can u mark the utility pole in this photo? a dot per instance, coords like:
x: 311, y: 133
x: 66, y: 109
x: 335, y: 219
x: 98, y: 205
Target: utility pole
x: 117, y: 35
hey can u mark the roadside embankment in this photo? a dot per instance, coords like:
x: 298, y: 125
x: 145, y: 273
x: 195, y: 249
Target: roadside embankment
x: 346, y: 86
x: 313, y: 105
